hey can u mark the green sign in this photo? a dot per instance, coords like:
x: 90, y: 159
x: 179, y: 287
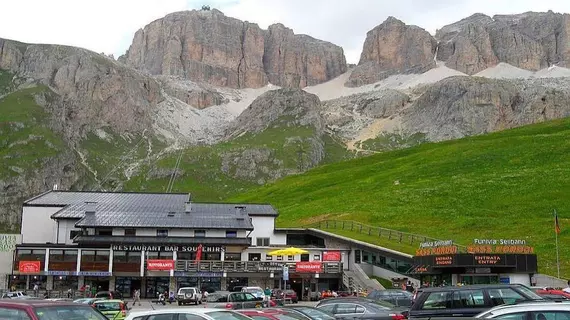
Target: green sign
x: 8, y: 242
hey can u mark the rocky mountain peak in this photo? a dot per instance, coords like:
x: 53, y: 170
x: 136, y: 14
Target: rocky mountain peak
x: 391, y: 48
x: 207, y: 46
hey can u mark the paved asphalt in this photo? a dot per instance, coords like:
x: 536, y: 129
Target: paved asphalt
x: 149, y: 305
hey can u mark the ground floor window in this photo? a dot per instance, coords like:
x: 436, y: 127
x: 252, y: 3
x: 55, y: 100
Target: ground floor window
x: 41, y: 281
x: 63, y: 283
x: 436, y: 280
x: 478, y: 279
x: 96, y: 284
x: 156, y: 285
x: 18, y: 283
x: 236, y: 282
x: 211, y: 284
x: 127, y: 285
x: 186, y: 282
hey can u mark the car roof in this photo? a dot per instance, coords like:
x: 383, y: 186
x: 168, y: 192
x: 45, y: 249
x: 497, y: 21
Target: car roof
x: 36, y: 303
x: 475, y: 286
x: 177, y: 310
x: 108, y: 300
x: 529, y: 306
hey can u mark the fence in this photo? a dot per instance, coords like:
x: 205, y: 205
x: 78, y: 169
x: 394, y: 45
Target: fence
x: 390, y: 234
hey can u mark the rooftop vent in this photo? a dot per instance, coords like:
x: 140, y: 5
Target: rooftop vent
x: 240, y: 212
x: 90, y: 207
x: 171, y: 214
x: 188, y: 206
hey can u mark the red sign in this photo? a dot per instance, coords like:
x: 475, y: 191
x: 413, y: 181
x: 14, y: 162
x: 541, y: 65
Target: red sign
x: 331, y: 256
x: 306, y: 266
x: 29, y: 266
x: 160, y: 265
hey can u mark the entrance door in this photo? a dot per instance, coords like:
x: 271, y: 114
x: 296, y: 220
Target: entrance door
x: 156, y: 285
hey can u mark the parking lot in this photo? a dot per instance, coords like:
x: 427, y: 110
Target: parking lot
x: 149, y: 305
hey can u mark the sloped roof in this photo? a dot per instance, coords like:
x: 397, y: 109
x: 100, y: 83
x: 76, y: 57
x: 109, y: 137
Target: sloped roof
x: 64, y: 198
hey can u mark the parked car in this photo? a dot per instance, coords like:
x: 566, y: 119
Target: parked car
x: 552, y: 294
x: 310, y: 312
x: 86, y: 300
x: 112, y: 309
x: 397, y: 297
x: 467, y: 301
x: 352, y: 298
x: 47, y: 310
x: 234, y: 300
x: 16, y: 295
x: 109, y: 295
x: 235, y: 288
x: 360, y: 308
x: 529, y: 311
x: 187, y: 314
x: 273, y: 314
x: 188, y: 295
x: 286, y: 294
x: 256, y: 291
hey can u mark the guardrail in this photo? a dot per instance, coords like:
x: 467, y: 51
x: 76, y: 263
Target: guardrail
x: 248, y: 266
x: 390, y: 234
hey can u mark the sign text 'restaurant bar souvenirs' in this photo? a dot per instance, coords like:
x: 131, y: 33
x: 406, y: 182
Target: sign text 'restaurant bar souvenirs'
x: 205, y: 249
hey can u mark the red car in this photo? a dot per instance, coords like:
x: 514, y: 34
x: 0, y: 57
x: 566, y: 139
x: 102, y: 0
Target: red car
x: 553, y: 294
x: 47, y: 310
x: 272, y: 314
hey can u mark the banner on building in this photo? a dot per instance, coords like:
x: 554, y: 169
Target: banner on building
x: 29, y: 267
x: 309, y: 266
x: 332, y: 256
x: 160, y: 265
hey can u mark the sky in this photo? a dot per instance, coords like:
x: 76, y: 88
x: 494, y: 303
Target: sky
x: 108, y: 26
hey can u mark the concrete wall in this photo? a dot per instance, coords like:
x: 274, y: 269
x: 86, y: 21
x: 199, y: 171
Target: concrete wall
x: 64, y: 230
x: 37, y: 225
x: 386, y: 274
x: 543, y: 280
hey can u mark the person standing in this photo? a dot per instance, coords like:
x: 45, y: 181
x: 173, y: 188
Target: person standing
x: 137, y: 297
x: 36, y: 289
x: 567, y: 289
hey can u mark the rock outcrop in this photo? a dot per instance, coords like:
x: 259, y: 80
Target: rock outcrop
x: 207, y: 46
x: 463, y: 106
x: 283, y: 107
x: 193, y: 94
x: 529, y: 41
x: 92, y: 90
x: 297, y: 61
x: 393, y: 48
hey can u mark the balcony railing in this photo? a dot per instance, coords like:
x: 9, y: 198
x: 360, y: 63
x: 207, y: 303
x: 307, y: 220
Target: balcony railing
x: 247, y: 266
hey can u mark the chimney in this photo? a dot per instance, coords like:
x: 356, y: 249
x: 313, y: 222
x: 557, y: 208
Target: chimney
x: 188, y: 206
x: 90, y: 207
x: 240, y: 212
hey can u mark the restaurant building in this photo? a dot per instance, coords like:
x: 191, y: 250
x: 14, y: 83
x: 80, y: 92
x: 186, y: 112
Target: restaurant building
x: 156, y: 242
x: 486, y: 261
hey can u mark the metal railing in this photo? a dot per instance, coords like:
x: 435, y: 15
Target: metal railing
x: 248, y: 266
x: 390, y: 234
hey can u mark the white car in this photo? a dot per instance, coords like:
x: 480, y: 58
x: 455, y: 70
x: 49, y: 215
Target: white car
x: 187, y: 314
x: 256, y: 291
x: 16, y: 295
x: 536, y: 310
x: 189, y: 295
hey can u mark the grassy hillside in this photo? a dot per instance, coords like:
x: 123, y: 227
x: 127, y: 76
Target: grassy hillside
x: 501, y: 185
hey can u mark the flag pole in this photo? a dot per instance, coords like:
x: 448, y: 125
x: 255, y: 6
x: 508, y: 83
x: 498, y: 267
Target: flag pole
x: 557, y: 253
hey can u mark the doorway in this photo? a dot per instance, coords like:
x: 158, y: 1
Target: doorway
x: 99, y: 283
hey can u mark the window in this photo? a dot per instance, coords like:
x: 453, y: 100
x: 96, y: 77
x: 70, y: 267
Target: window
x: 8, y: 313
x: 134, y: 257
x: 512, y: 316
x: 327, y: 308
x: 504, y: 296
x: 74, y: 233
x: 226, y: 315
x: 436, y: 300
x: 68, y: 312
x: 290, y: 258
x: 468, y: 299
x: 549, y: 315
x: 317, y: 257
x: 345, y: 308
x: 199, y: 233
x: 360, y: 309
x: 305, y: 257
x: 164, y: 316
x: 254, y: 256
x: 268, y: 257
x: 120, y: 256
x: 130, y: 232
x: 189, y: 316
x: 104, y: 232
x: 262, y: 242
x: 231, y: 234
x: 88, y: 256
x: 162, y: 233
x: 101, y: 256
x: 279, y: 258
x: 232, y: 256
x: 289, y: 316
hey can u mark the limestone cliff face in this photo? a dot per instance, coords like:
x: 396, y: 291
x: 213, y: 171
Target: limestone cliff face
x: 298, y: 61
x: 207, y: 46
x: 391, y: 48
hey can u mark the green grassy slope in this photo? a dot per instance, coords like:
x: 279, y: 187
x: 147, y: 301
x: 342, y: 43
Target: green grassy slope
x: 210, y: 178
x: 501, y: 185
x: 26, y: 138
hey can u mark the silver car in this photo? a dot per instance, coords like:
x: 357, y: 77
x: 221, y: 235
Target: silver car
x: 529, y: 311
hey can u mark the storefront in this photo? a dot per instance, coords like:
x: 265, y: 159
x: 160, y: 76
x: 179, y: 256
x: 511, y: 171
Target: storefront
x: 484, y: 262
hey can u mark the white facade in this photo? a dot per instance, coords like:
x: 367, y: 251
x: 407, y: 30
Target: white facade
x: 64, y: 228
x: 38, y: 226
x: 264, y: 227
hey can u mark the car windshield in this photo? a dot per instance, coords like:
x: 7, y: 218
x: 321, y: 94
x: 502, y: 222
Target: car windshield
x: 529, y: 293
x: 108, y: 306
x: 315, y: 314
x: 226, y: 315
x: 68, y: 313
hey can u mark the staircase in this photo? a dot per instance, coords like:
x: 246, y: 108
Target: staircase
x: 356, y: 280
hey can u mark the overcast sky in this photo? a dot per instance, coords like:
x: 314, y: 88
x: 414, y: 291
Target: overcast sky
x: 109, y: 25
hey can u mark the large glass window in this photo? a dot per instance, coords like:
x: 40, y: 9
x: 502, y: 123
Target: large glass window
x: 232, y: 256
x: 133, y: 257
x: 162, y: 233
x: 130, y: 232
x: 436, y: 300
x: 231, y: 234
x: 199, y: 233
x: 63, y: 283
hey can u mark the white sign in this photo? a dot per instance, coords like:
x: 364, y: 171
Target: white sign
x: 438, y: 243
x: 503, y: 242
